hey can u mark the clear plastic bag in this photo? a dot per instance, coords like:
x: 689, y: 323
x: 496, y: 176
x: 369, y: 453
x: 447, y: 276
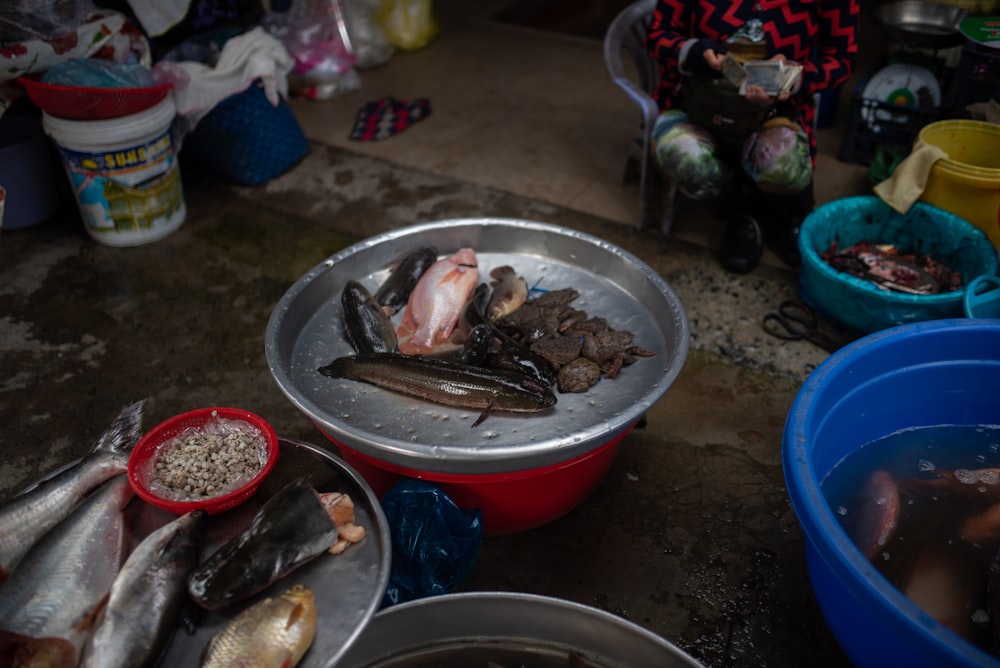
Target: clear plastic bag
x: 408, y: 24
x: 315, y: 34
x: 99, y: 73
x: 371, y: 46
x: 41, y: 19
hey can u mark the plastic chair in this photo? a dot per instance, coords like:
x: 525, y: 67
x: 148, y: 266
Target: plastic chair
x: 627, y: 33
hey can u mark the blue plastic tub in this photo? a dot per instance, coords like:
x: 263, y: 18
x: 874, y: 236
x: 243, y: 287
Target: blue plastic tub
x: 944, y: 372
x: 982, y: 298
x: 859, y: 305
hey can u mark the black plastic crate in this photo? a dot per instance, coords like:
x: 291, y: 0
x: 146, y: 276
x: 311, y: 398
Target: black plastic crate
x: 874, y: 125
x: 977, y: 77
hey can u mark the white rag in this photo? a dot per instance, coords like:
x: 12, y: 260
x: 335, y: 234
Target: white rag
x: 245, y: 58
x: 159, y: 16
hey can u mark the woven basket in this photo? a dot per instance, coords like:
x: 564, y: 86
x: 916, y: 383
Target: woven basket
x: 247, y: 141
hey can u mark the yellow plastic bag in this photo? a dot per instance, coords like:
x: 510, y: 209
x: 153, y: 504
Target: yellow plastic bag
x: 408, y: 24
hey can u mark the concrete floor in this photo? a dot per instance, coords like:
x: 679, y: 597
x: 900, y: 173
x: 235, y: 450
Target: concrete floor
x: 691, y: 535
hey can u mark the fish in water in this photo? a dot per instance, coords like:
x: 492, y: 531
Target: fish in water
x: 446, y: 382
x: 50, y: 602
x: 437, y: 302
x: 290, y: 529
x: 147, y: 596
x: 366, y: 326
x: 29, y: 515
x: 274, y: 632
x: 878, y: 514
x: 395, y: 291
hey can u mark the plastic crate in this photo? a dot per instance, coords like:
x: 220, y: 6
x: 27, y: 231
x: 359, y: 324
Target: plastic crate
x: 977, y: 77
x: 875, y: 126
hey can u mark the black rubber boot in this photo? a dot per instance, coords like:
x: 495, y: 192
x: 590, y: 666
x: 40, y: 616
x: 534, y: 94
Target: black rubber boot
x: 742, y: 243
x: 781, y: 217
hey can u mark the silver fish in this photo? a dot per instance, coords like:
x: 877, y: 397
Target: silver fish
x: 510, y: 291
x: 49, y: 603
x: 28, y: 516
x: 146, y: 597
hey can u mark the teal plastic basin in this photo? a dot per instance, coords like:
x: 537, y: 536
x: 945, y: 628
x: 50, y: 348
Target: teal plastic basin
x: 860, y: 305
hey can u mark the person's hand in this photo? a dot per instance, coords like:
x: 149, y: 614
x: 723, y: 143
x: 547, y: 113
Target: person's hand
x: 759, y: 96
x: 704, y: 59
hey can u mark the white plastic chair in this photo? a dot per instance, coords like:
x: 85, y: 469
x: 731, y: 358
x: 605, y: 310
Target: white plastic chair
x: 627, y: 34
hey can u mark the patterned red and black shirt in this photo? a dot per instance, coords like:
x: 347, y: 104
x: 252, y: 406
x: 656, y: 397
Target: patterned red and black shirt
x: 821, y: 35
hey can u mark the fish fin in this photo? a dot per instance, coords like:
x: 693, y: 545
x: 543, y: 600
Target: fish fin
x: 124, y: 432
x: 295, y: 615
x: 90, y: 618
x: 482, y: 416
x: 410, y: 347
x: 407, y: 325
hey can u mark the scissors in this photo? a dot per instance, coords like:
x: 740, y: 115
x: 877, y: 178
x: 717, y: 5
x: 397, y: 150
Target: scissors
x: 795, y: 321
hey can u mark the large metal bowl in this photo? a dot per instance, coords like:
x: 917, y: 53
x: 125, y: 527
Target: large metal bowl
x: 507, y: 629
x: 928, y: 25
x: 305, y: 332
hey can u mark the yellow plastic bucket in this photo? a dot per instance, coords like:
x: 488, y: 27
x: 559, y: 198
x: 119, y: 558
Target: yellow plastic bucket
x: 967, y: 182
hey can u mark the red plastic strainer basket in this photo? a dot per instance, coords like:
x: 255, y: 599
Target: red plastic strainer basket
x: 147, y: 450
x: 82, y: 103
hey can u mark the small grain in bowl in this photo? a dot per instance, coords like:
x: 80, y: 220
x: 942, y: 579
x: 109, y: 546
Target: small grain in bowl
x: 209, y: 458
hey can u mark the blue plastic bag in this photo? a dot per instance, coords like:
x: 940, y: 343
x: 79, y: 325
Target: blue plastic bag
x: 434, y: 542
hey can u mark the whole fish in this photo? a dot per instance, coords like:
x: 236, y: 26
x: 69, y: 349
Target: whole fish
x: 366, y: 326
x: 290, y: 529
x: 395, y: 291
x: 510, y: 291
x: 947, y: 582
x: 51, y: 600
x: 146, y: 598
x: 879, y: 509
x: 437, y: 302
x: 274, y: 632
x: 27, y: 516
x: 446, y: 382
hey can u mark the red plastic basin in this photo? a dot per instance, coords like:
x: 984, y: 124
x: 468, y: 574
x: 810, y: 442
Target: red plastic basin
x: 511, y: 502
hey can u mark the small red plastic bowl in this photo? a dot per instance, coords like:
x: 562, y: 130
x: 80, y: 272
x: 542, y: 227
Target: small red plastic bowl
x: 81, y: 103
x: 139, y: 462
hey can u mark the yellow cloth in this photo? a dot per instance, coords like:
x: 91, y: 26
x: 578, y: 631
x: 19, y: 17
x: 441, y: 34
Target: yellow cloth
x: 908, y: 181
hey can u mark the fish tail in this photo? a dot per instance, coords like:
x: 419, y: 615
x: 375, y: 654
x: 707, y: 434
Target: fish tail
x: 124, y: 432
x: 338, y: 368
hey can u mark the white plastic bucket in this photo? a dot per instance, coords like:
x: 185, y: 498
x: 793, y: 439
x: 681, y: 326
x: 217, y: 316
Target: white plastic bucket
x: 124, y: 174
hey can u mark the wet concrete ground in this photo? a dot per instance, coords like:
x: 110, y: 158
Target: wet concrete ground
x: 691, y: 535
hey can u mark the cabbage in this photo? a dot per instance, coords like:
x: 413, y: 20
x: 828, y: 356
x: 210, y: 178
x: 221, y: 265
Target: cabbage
x: 777, y: 159
x: 686, y: 153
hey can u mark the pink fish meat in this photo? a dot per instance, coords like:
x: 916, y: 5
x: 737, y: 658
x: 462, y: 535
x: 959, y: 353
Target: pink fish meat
x: 437, y: 302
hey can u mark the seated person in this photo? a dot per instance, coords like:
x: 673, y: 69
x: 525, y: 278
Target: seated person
x: 750, y: 153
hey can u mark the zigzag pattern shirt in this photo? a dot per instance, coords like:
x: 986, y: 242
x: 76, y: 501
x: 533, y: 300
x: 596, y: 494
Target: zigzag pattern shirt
x: 821, y: 35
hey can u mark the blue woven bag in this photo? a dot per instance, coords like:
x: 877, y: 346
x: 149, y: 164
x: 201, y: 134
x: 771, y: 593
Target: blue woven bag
x: 246, y: 140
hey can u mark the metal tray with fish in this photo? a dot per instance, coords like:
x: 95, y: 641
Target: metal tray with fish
x: 349, y: 587
x: 305, y: 332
